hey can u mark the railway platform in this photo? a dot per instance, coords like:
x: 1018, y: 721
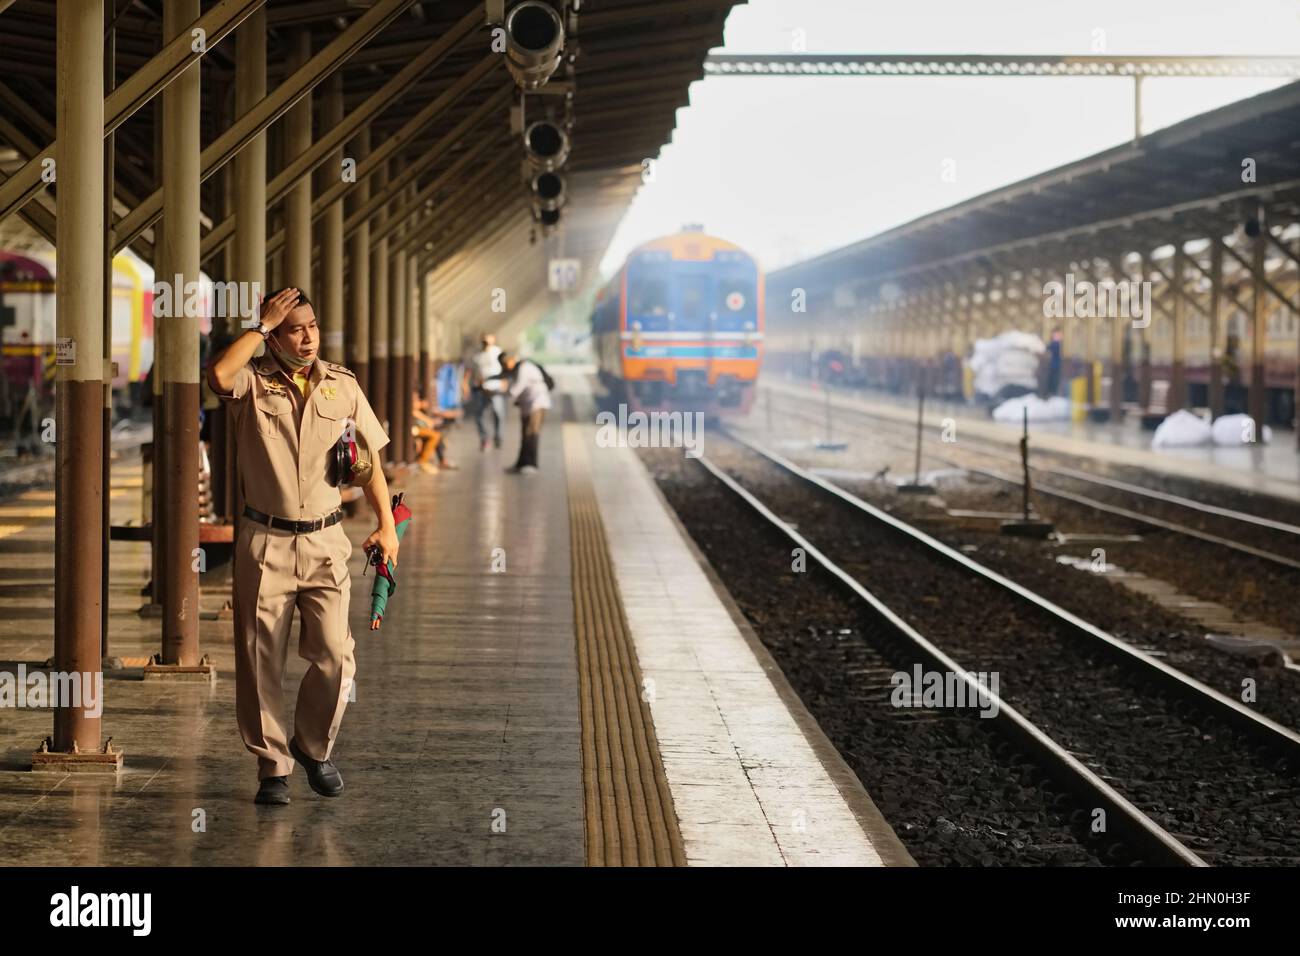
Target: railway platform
x: 1266, y: 469
x: 559, y: 680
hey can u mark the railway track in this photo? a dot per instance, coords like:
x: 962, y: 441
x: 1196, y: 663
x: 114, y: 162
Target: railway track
x: 1188, y: 774
x: 1259, y: 536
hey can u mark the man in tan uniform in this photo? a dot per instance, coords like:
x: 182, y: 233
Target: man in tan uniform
x: 288, y: 410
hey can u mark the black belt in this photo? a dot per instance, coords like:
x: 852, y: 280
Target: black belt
x: 297, y: 527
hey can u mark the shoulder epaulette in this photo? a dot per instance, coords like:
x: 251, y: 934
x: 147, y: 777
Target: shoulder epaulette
x: 340, y: 368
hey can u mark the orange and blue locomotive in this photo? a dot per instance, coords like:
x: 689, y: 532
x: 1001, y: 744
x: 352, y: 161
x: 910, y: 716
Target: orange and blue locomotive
x: 680, y: 326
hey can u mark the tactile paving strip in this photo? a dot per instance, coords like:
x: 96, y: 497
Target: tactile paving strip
x: 629, y: 813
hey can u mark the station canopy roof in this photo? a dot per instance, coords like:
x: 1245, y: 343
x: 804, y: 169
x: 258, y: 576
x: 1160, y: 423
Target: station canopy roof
x: 633, y: 62
x: 1174, y: 181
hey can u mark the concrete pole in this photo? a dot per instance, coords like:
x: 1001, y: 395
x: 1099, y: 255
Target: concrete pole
x: 180, y: 353
x: 330, y: 304
x: 398, y: 400
x: 79, y: 410
x: 379, y: 317
x: 356, y: 339
x: 297, y: 202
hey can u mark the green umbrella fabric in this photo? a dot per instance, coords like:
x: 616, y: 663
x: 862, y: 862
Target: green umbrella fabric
x: 385, y: 583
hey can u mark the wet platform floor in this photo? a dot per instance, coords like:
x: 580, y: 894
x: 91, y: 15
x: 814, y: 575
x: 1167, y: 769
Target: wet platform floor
x: 462, y: 746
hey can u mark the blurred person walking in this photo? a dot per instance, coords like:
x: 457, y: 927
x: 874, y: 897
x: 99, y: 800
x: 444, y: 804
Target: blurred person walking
x: 484, y: 365
x: 529, y: 385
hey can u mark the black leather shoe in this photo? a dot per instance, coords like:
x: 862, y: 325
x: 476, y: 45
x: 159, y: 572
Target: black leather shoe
x: 273, y: 791
x: 322, y: 775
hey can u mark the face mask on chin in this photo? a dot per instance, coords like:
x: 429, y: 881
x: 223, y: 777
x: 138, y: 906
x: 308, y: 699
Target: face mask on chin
x: 295, y: 362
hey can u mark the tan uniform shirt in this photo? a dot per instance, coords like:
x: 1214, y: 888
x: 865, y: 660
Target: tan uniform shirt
x: 285, y: 439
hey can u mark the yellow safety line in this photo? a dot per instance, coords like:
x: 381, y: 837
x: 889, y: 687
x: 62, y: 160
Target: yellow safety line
x: 630, y: 819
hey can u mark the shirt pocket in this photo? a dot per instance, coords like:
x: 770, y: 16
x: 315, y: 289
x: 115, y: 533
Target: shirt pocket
x: 331, y: 418
x: 271, y: 410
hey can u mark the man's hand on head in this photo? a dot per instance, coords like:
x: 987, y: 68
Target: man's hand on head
x: 277, y: 308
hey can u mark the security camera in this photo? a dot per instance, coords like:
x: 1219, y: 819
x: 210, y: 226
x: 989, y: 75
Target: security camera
x: 548, y: 191
x: 546, y: 145
x: 547, y: 217
x: 534, y: 42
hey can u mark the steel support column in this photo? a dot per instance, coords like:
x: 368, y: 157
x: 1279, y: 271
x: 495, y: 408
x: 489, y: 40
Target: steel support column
x: 379, y: 343
x: 356, y: 340
x: 248, y: 254
x: 106, y: 322
x: 78, y: 483
x: 1259, y: 329
x: 1144, y: 343
x: 1178, y: 372
x: 179, y: 335
x: 398, y: 400
x: 250, y: 164
x: 331, y: 307
x: 1216, y: 344
x: 413, y: 381
x: 297, y: 199
x: 427, y: 350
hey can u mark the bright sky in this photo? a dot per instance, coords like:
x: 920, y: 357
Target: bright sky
x: 792, y: 167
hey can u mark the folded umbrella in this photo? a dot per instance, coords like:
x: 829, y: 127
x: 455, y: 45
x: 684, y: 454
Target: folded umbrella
x: 385, y: 582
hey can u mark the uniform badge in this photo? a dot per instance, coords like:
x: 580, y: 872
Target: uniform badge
x: 272, y: 385
x: 329, y: 392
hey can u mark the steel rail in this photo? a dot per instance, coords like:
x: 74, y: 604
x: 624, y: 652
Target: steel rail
x: 1116, y: 510
x: 1133, y: 826
x: 1171, y: 681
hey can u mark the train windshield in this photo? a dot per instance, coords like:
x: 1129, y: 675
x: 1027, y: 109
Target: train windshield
x: 648, y: 298
x: 695, y: 293
x: 696, y: 297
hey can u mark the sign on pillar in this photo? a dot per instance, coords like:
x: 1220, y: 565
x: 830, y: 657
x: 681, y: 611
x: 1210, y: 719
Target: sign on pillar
x: 562, y: 275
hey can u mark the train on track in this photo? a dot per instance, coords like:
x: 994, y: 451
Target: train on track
x: 27, y: 327
x: 680, y: 326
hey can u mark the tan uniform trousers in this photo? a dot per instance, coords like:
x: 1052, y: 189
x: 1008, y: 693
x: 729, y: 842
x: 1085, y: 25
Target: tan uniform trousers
x: 276, y: 571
